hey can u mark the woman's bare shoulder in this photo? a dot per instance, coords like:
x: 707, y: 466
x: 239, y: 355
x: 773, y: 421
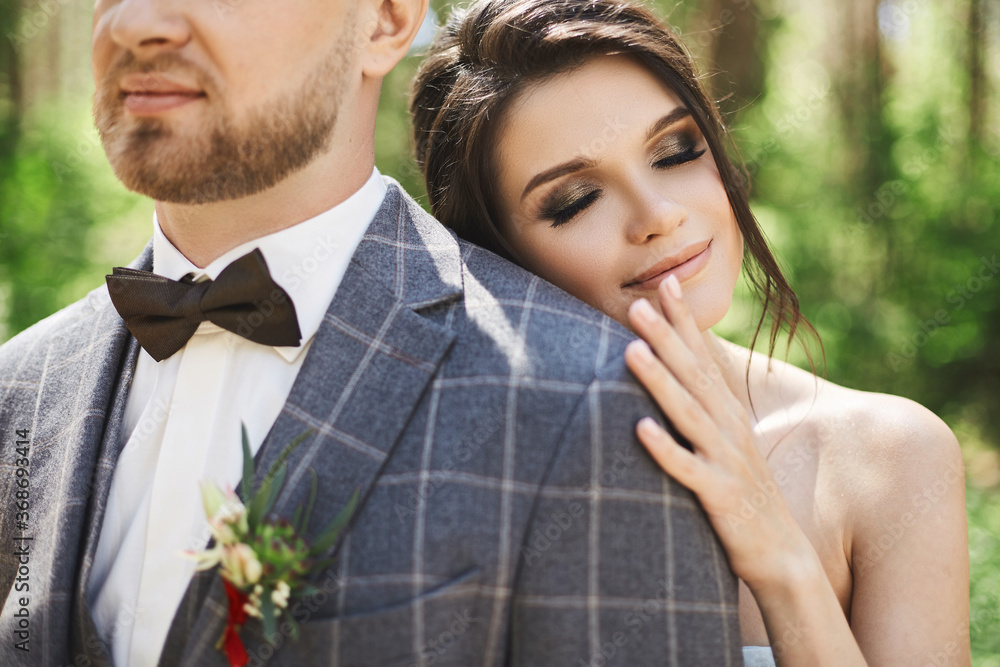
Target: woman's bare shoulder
x: 885, y: 431
x: 885, y: 453
x: 880, y: 429
x: 876, y: 443
x: 871, y: 443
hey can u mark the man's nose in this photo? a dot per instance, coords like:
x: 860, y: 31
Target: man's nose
x: 655, y: 214
x: 148, y: 27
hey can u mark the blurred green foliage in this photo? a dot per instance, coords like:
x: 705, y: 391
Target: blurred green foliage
x: 984, y: 593
x: 56, y: 199
x: 899, y: 274
x: 871, y: 132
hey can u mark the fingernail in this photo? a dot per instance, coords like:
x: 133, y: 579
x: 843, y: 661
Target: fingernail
x: 648, y: 424
x: 645, y: 311
x: 674, y: 286
x: 641, y: 349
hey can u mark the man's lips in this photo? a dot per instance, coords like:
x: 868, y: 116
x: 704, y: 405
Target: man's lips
x: 683, y: 264
x: 153, y: 92
x: 142, y: 103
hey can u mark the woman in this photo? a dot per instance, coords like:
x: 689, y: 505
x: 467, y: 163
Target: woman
x: 573, y: 137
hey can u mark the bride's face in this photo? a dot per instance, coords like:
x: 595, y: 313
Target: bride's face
x: 606, y: 187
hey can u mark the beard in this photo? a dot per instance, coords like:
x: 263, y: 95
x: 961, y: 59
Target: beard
x: 220, y: 160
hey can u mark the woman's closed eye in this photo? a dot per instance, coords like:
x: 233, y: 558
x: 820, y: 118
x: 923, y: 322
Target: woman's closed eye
x: 566, y: 205
x: 675, y: 151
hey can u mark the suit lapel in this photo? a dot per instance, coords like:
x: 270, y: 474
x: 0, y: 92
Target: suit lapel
x: 123, y: 359
x: 83, y: 627
x: 366, y: 370
x: 370, y: 363
x: 116, y: 364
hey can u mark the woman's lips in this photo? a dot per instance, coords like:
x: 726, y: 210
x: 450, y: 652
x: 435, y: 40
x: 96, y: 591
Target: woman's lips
x: 143, y: 104
x: 682, y: 271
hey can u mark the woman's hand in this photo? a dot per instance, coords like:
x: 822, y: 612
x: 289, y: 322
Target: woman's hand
x: 727, y: 471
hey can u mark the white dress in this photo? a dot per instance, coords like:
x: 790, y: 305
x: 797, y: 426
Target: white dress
x: 758, y: 656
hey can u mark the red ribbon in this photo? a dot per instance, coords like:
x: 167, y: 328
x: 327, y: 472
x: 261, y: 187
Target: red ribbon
x: 235, y: 650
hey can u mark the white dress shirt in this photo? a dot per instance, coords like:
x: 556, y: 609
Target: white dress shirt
x: 182, y: 425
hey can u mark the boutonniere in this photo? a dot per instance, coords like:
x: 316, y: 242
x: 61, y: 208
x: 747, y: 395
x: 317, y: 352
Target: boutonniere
x: 264, y: 561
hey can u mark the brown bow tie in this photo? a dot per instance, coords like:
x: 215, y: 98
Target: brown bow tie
x: 163, y: 314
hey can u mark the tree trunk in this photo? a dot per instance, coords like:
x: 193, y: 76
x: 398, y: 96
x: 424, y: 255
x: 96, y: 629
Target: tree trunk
x: 738, y: 52
x: 11, y: 91
x: 976, y: 29
x: 860, y: 76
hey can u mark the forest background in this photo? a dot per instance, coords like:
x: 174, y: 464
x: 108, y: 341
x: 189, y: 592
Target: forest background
x: 871, y: 134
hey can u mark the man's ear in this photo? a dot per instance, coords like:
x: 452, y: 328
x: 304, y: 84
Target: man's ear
x: 388, y: 32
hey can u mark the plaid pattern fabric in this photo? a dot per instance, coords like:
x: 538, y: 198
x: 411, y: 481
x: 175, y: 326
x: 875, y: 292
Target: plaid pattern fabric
x: 508, y: 515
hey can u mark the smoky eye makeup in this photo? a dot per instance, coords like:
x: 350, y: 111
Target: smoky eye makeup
x: 565, y: 203
x: 675, y: 149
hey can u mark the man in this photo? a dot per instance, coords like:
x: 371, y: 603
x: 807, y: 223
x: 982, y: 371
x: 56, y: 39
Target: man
x: 506, y: 513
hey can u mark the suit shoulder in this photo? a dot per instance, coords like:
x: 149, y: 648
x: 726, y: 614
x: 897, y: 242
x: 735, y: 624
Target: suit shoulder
x: 510, y: 318
x: 558, y: 332
x: 60, y: 328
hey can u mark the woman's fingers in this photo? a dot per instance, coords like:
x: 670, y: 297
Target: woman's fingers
x: 676, y: 461
x: 684, y: 411
x: 675, y: 308
x: 695, y: 371
x: 665, y: 341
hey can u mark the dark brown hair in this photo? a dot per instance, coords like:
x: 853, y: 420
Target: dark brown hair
x: 490, y: 51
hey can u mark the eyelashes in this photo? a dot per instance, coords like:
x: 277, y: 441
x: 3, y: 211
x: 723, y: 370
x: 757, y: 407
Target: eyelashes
x: 566, y: 204
x: 687, y: 155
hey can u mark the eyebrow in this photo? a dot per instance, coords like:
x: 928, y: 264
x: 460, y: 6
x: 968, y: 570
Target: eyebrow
x: 561, y: 170
x: 578, y: 164
x: 668, y: 120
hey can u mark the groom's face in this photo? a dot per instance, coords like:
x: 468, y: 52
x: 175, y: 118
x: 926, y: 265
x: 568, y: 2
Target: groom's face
x: 201, y: 101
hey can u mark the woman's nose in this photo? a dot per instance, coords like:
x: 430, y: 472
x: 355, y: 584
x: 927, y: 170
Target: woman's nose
x: 655, y: 215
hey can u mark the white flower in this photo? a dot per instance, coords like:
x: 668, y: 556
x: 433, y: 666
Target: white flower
x: 212, y: 497
x: 252, y: 610
x: 206, y: 559
x: 240, y: 565
x: 280, y: 594
x: 226, y: 514
x: 223, y: 533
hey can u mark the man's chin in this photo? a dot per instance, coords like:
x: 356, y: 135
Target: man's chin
x: 165, y: 191
x: 191, y: 182
x: 146, y: 171
x: 176, y: 190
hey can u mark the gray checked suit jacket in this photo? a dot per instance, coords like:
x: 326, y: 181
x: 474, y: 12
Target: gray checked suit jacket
x: 507, y: 515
